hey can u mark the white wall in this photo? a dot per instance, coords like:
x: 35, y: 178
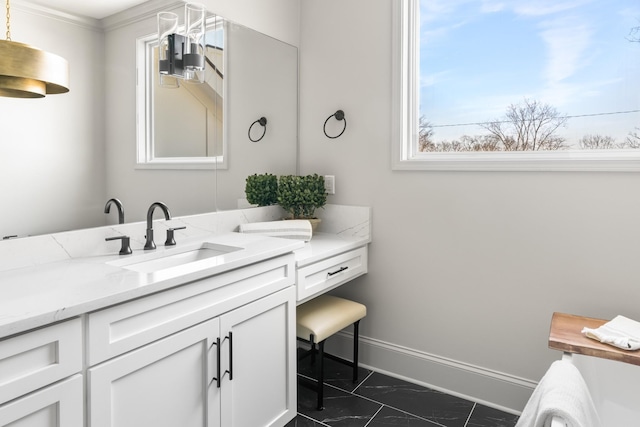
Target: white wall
x: 51, y: 149
x: 465, y: 269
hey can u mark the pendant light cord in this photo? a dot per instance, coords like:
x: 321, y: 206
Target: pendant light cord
x: 8, y: 21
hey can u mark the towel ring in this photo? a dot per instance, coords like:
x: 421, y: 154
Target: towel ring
x: 262, y: 121
x: 339, y: 115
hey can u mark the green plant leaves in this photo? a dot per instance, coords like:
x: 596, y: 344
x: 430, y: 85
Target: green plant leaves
x: 301, y: 195
x: 261, y: 190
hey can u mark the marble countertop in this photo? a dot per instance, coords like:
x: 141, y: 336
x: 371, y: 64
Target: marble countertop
x: 49, y: 278
x: 325, y: 245
x: 35, y: 296
x: 39, y: 295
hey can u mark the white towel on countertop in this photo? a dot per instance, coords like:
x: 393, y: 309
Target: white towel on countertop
x: 620, y: 332
x: 299, y: 229
x: 561, y: 393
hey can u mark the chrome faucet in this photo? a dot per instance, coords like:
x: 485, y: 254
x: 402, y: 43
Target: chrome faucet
x: 118, y: 204
x: 167, y: 215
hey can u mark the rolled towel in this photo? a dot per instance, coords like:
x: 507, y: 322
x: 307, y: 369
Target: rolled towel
x: 620, y: 332
x: 298, y: 229
x: 561, y: 393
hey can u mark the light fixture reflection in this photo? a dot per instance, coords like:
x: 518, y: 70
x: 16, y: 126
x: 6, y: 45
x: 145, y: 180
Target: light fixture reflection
x: 180, y: 55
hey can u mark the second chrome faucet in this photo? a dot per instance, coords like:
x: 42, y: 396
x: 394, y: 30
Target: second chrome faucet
x: 167, y: 215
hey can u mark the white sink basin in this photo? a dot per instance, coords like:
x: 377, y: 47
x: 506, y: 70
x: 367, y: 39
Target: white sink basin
x: 151, y: 263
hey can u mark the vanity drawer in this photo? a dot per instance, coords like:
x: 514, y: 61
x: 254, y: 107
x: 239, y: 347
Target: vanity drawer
x: 35, y: 359
x: 59, y: 405
x: 319, y: 277
x: 124, y: 327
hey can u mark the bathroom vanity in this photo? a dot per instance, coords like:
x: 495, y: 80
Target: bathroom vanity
x: 100, y: 339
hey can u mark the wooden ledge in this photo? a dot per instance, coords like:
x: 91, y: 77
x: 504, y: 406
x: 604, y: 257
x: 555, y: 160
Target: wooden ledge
x: 566, y: 335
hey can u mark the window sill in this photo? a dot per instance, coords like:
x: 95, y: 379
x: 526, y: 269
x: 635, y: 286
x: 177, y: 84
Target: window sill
x: 598, y: 161
x: 211, y: 163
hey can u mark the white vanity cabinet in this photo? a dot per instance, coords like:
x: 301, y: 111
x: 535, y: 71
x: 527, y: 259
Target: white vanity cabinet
x: 216, y: 352
x: 86, y: 341
x: 39, y: 381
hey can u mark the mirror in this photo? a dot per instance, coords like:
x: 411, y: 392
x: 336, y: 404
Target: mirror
x: 262, y: 82
x: 197, y: 126
x: 64, y: 156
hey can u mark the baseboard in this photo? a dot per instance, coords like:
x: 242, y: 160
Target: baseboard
x: 495, y: 389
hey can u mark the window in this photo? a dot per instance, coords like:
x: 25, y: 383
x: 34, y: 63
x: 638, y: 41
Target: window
x: 537, y: 85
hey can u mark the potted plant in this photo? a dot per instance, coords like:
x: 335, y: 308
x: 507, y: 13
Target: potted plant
x: 261, y: 190
x: 300, y: 196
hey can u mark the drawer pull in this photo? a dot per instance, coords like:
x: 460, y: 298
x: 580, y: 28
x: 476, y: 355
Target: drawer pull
x: 340, y: 270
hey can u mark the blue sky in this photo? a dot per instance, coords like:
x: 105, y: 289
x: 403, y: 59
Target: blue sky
x: 479, y: 56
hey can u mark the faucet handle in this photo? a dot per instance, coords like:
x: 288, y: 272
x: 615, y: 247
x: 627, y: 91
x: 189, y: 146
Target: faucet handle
x: 125, y: 249
x: 171, y: 241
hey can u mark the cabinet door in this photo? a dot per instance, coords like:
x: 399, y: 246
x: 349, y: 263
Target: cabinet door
x: 259, y: 353
x: 59, y: 405
x: 169, y: 383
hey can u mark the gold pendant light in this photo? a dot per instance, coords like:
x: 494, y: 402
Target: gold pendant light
x: 28, y: 72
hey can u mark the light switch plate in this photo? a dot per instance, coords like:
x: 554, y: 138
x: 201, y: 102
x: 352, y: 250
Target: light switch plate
x: 330, y: 184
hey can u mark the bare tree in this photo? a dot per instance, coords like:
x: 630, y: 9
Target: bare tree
x: 443, y: 146
x: 529, y: 126
x: 425, y: 135
x: 465, y: 143
x: 480, y: 143
x: 634, y: 35
x: 633, y: 139
x: 597, y: 142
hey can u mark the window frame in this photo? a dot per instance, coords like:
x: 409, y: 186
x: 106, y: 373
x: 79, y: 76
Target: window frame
x: 405, y: 113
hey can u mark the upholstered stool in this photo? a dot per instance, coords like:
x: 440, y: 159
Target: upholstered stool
x: 322, y: 317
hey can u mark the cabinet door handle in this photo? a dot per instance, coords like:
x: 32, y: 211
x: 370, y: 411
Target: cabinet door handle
x: 340, y: 270
x: 230, y: 356
x: 230, y: 370
x: 217, y: 377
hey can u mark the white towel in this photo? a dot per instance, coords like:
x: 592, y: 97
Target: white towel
x: 620, y: 332
x: 561, y: 393
x: 299, y: 229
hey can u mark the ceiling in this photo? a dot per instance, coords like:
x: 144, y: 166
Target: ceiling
x: 97, y: 9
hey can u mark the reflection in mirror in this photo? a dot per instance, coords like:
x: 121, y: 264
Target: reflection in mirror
x: 90, y: 157
x: 177, y: 101
x: 262, y: 82
x: 183, y: 119
x: 196, y: 126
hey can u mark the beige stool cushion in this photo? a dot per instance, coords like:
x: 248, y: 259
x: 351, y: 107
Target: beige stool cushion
x: 325, y: 315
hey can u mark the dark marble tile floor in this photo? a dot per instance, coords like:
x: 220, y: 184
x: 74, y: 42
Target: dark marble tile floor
x: 378, y: 400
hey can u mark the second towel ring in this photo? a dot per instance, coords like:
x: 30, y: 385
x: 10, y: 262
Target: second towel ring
x: 339, y: 116
x: 262, y: 121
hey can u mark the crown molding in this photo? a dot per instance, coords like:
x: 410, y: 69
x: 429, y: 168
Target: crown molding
x: 69, y: 18
x: 117, y: 20
x: 138, y: 13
